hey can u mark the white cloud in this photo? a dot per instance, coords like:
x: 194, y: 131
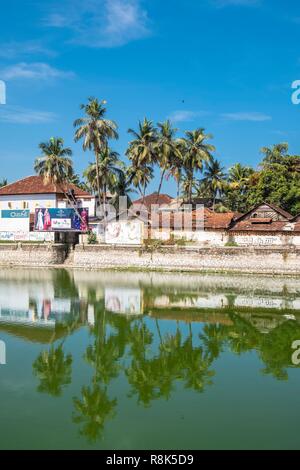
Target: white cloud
x: 14, y: 49
x: 18, y: 115
x: 102, y: 23
x: 247, y: 116
x: 186, y: 116
x: 33, y: 71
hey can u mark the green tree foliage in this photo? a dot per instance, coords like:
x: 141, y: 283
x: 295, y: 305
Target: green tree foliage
x: 278, y: 181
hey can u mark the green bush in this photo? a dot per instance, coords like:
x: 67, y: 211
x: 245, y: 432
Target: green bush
x: 231, y: 243
x: 92, y: 238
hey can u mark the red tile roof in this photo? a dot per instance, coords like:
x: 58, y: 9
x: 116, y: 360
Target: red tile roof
x: 162, y: 199
x: 278, y: 226
x: 296, y: 219
x: 215, y: 220
x: 195, y: 220
x: 36, y: 185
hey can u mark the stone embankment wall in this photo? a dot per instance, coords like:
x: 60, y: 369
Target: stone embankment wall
x: 23, y: 254
x: 284, y: 260
x: 271, y: 260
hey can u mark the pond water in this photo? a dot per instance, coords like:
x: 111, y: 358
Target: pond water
x: 123, y: 360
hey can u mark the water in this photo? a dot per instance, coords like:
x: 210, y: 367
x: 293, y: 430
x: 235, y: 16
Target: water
x: 114, y: 360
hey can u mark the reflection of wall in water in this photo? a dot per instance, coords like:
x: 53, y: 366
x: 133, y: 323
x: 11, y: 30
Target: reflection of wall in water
x: 224, y: 301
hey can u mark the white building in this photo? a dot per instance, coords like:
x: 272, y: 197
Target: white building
x: 19, y: 200
x: 32, y: 193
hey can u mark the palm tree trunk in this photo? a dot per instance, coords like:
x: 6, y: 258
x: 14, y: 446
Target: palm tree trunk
x: 98, y: 177
x: 160, y: 185
x: 140, y: 190
x: 144, y: 192
x: 190, y: 189
x: 104, y: 200
x: 158, y: 331
x: 178, y: 187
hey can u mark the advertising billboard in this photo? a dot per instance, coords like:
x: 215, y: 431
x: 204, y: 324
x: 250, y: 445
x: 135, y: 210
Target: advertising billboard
x: 61, y: 220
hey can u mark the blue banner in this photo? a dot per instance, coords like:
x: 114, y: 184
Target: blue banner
x: 15, y: 214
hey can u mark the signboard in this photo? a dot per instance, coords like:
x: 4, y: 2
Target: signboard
x: 16, y: 214
x: 124, y: 232
x: 258, y: 240
x: 61, y: 220
x: 14, y: 221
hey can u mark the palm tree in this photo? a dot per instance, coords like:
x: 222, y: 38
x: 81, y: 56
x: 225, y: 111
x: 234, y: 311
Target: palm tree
x: 76, y: 180
x: 166, y: 149
x: 123, y: 188
x: 195, y: 152
x: 214, y: 179
x: 106, y: 173
x: 239, y: 175
x: 176, y: 165
x: 142, y: 151
x: 55, y: 164
x: 3, y: 182
x: 140, y: 177
x: 240, y: 178
x: 95, y: 131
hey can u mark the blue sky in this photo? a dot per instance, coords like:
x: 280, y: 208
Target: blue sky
x: 225, y: 65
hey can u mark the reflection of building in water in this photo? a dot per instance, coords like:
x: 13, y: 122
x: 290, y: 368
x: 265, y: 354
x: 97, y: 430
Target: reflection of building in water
x: 265, y: 324
x: 34, y: 304
x: 46, y: 302
x: 223, y: 301
x: 123, y: 301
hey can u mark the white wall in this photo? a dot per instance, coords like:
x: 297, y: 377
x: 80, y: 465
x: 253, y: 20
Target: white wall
x: 32, y: 200
x: 35, y: 201
x: 202, y: 237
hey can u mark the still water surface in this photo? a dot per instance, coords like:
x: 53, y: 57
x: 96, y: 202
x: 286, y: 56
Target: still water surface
x: 114, y: 360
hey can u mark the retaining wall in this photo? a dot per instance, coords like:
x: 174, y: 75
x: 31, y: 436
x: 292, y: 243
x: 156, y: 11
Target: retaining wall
x: 284, y: 260
x: 271, y: 260
x: 22, y: 254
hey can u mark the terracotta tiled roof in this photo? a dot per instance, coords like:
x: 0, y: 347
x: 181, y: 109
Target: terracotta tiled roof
x: 279, y: 226
x: 219, y: 221
x: 162, y: 199
x: 195, y: 220
x: 36, y: 185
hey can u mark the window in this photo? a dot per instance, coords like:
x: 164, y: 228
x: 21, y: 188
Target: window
x: 9, y: 205
x: 25, y: 205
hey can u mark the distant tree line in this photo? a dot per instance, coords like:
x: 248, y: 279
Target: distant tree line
x: 188, y: 159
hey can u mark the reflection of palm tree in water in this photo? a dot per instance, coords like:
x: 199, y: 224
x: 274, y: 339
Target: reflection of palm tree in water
x: 95, y: 407
x: 177, y: 360
x: 93, y: 410
x: 54, y: 370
